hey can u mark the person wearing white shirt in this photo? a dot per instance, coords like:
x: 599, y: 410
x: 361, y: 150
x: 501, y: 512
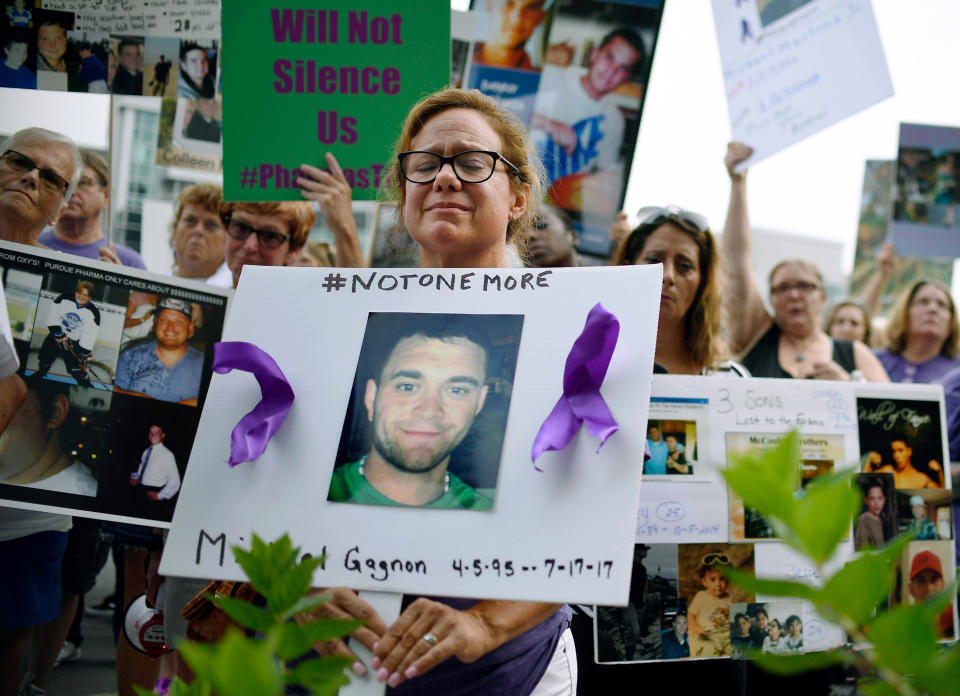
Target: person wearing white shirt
x: 31, y: 543
x: 12, y: 389
x: 158, y: 471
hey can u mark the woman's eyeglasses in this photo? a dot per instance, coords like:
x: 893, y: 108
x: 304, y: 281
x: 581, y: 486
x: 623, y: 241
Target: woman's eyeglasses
x: 470, y: 167
x: 50, y: 181
x: 651, y: 215
x: 804, y: 287
x: 268, y: 239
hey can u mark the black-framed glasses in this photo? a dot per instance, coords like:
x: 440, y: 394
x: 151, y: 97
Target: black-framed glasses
x: 653, y: 214
x: 803, y: 286
x: 712, y: 559
x: 470, y: 167
x: 50, y: 181
x: 268, y: 239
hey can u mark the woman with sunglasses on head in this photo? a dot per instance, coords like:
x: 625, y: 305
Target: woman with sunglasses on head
x: 468, y: 184
x: 689, y: 336
x: 790, y: 342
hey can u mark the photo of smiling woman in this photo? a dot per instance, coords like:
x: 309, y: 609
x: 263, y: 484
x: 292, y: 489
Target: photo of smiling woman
x: 429, y: 408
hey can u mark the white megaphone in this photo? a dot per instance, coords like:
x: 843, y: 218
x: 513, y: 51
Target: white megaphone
x: 143, y: 627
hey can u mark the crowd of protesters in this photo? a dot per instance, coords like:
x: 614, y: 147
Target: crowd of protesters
x: 713, y: 321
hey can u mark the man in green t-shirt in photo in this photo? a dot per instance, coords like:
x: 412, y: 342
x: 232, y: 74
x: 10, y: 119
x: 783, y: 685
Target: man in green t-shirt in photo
x: 421, y: 404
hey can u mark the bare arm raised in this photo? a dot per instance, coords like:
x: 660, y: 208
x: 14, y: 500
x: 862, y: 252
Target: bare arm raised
x: 742, y: 300
x: 886, y: 265
x: 329, y: 188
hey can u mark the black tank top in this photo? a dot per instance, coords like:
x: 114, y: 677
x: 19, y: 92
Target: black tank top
x: 763, y: 360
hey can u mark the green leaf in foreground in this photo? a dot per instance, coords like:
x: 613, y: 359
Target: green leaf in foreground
x: 245, y: 613
x: 294, y: 640
x: 858, y: 588
x: 766, y: 482
x: 290, y: 587
x: 874, y: 687
x: 264, y: 562
x: 904, y: 638
x: 941, y: 676
x: 236, y: 665
x: 322, y: 675
x: 777, y: 588
x: 822, y: 514
x: 304, y: 605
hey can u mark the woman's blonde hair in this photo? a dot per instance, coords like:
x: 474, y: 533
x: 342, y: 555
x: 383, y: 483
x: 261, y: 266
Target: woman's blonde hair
x: 898, y: 324
x: 515, y: 146
x: 703, y: 323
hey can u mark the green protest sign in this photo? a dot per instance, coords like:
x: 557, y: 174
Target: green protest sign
x: 340, y: 78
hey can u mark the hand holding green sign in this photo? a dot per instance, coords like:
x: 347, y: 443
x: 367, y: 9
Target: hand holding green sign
x: 303, y: 82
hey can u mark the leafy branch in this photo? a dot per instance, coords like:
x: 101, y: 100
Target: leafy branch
x: 899, y: 649
x: 284, y: 631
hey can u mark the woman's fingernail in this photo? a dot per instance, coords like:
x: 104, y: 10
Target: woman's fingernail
x: 358, y: 669
x: 394, y: 680
x: 411, y: 672
x: 375, y: 646
x: 375, y: 663
x: 382, y: 675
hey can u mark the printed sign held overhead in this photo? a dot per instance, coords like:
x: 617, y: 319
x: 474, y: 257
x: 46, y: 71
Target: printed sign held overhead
x: 793, y: 67
x: 339, y: 79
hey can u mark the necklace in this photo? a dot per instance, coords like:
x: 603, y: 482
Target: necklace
x: 801, y: 353
x: 446, y: 476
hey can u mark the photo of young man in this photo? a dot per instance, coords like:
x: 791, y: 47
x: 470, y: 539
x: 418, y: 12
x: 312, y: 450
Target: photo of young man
x: 165, y: 366
x: 874, y: 527
x: 426, y: 388
x: 157, y: 476
x: 902, y: 437
x: 511, y: 24
x: 73, y: 324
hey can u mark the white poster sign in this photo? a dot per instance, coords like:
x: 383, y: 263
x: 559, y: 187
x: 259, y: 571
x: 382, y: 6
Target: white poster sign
x: 688, y: 519
x: 793, y: 67
x: 353, y: 346
x: 123, y: 358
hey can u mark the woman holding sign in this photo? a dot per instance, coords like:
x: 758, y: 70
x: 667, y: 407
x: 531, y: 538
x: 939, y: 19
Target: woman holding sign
x: 790, y: 342
x: 467, y: 180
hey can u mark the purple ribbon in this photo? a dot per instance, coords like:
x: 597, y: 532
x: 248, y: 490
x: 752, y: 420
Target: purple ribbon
x: 250, y: 436
x: 581, y: 401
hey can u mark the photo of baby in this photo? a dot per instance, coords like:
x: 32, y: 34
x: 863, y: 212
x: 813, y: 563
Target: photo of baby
x: 709, y: 593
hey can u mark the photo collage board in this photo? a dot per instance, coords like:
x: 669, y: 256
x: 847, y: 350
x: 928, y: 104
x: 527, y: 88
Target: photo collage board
x: 575, y: 74
x: 926, y: 205
x: 117, y: 363
x: 156, y: 49
x: 880, y: 189
x: 690, y: 526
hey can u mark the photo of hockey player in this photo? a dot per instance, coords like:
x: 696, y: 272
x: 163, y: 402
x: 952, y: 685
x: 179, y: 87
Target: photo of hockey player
x: 74, y: 323
x: 76, y: 332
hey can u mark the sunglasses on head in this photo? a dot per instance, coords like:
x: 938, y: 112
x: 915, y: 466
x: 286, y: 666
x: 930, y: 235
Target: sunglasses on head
x: 653, y: 214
